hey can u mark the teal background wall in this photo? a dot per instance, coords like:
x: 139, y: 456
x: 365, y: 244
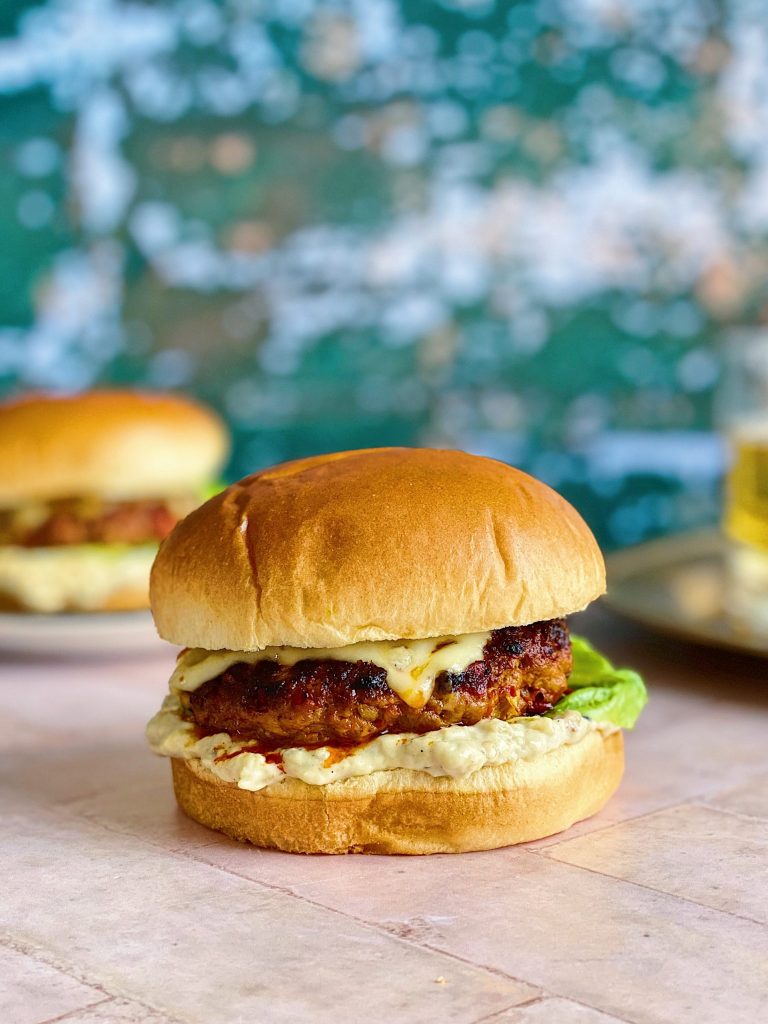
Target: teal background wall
x: 517, y: 228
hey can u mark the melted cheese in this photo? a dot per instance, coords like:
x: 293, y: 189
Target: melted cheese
x: 455, y: 751
x: 411, y: 665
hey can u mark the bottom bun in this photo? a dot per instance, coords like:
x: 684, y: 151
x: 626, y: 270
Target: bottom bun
x: 409, y: 812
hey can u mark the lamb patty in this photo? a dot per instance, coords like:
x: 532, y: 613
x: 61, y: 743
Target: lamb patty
x: 524, y: 671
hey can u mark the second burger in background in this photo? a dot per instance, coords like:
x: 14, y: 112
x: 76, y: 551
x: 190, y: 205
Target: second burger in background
x: 89, y: 486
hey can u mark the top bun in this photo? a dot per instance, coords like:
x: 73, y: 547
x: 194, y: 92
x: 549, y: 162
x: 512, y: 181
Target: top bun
x: 385, y: 543
x: 113, y: 444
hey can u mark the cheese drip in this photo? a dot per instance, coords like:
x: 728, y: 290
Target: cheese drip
x: 412, y: 666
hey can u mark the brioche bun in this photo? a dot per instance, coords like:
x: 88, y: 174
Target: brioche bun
x: 389, y: 543
x: 386, y: 543
x: 113, y: 444
x: 405, y: 811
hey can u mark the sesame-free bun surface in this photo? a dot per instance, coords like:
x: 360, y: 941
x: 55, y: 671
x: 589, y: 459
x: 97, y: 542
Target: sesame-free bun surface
x: 404, y: 811
x: 114, y: 444
x: 385, y: 543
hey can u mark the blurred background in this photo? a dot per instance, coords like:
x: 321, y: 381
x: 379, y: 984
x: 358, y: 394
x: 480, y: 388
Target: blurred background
x: 522, y: 228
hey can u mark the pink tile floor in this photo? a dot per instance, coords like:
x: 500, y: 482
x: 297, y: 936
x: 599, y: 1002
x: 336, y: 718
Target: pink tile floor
x: 115, y: 908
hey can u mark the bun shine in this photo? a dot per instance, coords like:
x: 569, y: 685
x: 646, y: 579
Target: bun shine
x: 387, y: 543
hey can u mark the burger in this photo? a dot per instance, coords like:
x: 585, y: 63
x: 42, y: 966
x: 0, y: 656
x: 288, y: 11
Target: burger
x: 89, y: 485
x: 376, y: 658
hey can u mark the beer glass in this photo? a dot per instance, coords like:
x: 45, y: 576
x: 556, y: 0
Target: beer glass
x: 744, y: 416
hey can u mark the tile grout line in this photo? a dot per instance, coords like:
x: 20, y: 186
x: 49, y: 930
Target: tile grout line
x: 72, y: 1013
x: 543, y: 995
x: 43, y: 955
x: 543, y: 850
x: 695, y: 799
x: 490, y: 1017
x: 741, y: 815
x: 375, y: 926
x: 498, y: 1014
x: 657, y: 892
x: 609, y: 1014
x: 138, y: 1003
x: 180, y: 854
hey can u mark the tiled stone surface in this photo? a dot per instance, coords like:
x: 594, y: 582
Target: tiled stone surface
x: 553, y: 1011
x: 730, y: 877
x: 653, y: 912
x: 658, y: 777
x: 750, y: 799
x: 205, y: 945
x: 568, y: 930
x: 146, y: 810
x: 122, y: 1011
x: 31, y: 991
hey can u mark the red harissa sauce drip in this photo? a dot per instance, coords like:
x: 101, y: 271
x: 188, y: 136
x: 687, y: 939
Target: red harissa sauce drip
x: 335, y: 754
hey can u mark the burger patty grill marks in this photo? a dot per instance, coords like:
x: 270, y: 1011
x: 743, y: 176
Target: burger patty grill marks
x: 524, y: 671
x: 411, y: 666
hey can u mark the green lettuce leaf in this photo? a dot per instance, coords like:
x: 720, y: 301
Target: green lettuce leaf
x: 600, y: 691
x: 211, y: 489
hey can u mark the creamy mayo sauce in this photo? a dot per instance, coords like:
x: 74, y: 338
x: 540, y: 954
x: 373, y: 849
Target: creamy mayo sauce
x: 411, y: 665
x: 73, y: 575
x: 455, y: 751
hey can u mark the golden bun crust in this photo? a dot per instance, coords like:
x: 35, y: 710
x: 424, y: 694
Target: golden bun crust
x: 384, y: 543
x: 409, y: 812
x: 116, y: 444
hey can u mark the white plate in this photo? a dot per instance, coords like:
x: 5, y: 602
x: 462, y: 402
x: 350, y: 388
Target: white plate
x: 96, y: 634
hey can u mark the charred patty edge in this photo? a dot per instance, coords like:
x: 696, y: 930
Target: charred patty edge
x: 524, y: 671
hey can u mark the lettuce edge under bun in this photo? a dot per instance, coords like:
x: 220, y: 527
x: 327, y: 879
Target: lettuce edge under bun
x: 601, y: 692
